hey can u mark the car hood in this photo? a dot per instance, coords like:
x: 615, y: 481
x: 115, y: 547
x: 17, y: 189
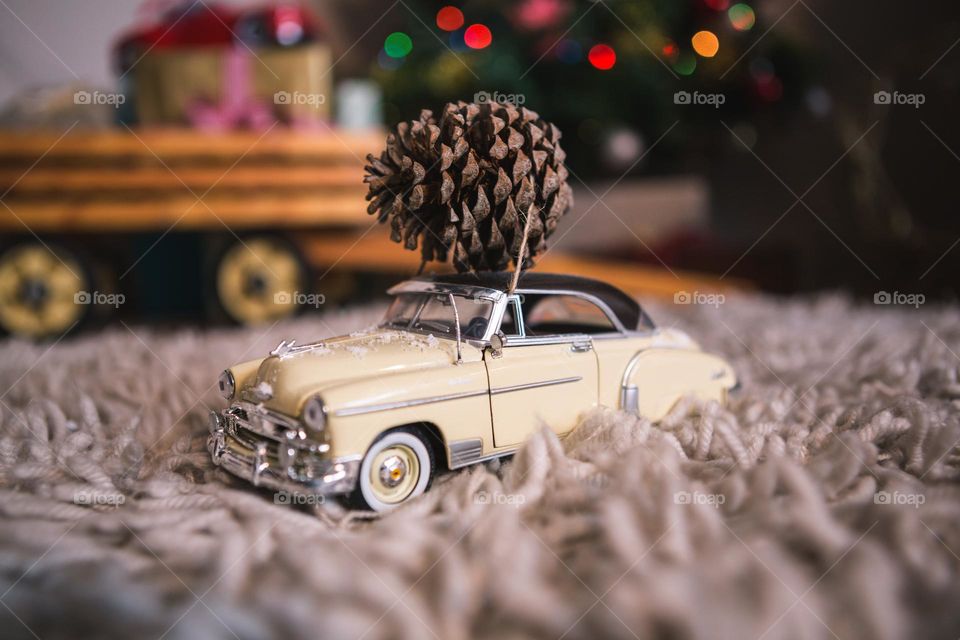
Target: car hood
x: 293, y: 373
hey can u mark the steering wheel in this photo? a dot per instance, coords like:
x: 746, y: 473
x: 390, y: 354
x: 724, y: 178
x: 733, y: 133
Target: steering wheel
x: 476, y: 327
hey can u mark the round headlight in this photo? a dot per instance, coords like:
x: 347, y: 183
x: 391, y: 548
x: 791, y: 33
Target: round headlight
x: 315, y: 414
x: 227, y: 384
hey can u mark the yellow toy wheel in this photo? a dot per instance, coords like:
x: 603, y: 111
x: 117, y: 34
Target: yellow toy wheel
x: 43, y: 292
x: 397, y: 468
x: 260, y: 280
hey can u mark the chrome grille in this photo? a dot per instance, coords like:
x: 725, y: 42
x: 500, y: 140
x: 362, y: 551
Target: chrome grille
x: 243, y: 434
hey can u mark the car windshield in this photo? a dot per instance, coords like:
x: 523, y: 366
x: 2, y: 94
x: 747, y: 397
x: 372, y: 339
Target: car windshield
x: 432, y: 313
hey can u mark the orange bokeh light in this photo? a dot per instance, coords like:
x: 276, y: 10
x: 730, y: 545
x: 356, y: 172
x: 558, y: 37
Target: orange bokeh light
x: 705, y: 43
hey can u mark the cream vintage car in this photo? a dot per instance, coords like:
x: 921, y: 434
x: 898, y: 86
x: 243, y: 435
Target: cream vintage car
x: 459, y: 371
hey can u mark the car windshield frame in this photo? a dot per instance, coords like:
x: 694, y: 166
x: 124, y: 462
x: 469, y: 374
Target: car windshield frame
x: 410, y: 324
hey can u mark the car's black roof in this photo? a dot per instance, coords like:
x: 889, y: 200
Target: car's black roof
x: 623, y: 306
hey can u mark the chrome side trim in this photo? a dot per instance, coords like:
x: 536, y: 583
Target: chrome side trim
x: 630, y: 399
x: 489, y: 456
x: 534, y: 385
x: 463, y: 452
x: 629, y: 393
x: 536, y: 341
x: 631, y: 365
x: 402, y: 404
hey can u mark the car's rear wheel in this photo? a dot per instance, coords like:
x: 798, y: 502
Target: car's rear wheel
x: 397, y: 468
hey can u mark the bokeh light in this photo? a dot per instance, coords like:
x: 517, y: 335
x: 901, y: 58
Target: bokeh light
x: 449, y: 18
x: 622, y: 147
x: 686, y: 64
x: 387, y: 63
x: 770, y: 88
x: 456, y: 41
x: 289, y: 26
x: 819, y: 101
x: 289, y: 32
x: 602, y: 56
x: 670, y: 50
x: 398, y: 44
x: 705, y: 43
x: 741, y: 17
x: 478, y: 36
x: 569, y: 51
x: 717, y: 5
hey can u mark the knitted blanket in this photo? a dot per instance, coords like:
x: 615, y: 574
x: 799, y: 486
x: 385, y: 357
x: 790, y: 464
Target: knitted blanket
x: 823, y: 502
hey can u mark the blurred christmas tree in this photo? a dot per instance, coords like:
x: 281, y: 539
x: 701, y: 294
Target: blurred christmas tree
x: 612, y: 75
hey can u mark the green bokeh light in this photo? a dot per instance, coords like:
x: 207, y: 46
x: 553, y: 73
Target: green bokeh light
x: 398, y: 44
x: 685, y: 65
x: 741, y: 17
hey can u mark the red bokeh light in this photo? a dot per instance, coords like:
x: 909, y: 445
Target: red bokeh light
x: 477, y: 36
x: 769, y: 87
x: 449, y: 18
x: 717, y: 5
x: 602, y: 56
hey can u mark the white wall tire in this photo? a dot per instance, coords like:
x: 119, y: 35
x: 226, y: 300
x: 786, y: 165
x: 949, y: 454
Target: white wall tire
x: 396, y: 469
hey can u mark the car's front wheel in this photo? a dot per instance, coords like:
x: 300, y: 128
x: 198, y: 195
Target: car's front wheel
x: 397, y: 468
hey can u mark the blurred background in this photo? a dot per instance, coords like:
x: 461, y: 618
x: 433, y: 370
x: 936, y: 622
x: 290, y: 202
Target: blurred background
x: 202, y: 161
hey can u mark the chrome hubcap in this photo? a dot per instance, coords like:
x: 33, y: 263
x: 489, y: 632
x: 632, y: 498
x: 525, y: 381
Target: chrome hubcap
x: 392, y: 471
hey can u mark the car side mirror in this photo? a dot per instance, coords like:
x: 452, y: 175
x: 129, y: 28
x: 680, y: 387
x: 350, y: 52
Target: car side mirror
x: 497, y: 341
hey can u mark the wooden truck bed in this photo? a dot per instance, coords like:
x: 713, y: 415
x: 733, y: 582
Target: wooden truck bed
x: 137, y: 181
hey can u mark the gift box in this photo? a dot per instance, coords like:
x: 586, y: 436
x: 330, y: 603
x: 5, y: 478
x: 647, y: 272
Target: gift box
x: 214, y: 67
x: 292, y: 83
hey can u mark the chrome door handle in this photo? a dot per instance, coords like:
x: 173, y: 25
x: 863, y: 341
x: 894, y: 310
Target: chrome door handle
x: 581, y: 347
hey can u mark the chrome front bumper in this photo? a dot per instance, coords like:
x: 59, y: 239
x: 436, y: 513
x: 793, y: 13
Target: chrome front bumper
x: 275, y: 454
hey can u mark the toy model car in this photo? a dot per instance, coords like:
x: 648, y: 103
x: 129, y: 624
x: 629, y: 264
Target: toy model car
x: 459, y: 371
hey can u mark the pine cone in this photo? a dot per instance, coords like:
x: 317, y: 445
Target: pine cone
x: 464, y: 184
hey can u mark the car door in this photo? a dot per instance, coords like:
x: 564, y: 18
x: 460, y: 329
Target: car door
x: 538, y: 380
